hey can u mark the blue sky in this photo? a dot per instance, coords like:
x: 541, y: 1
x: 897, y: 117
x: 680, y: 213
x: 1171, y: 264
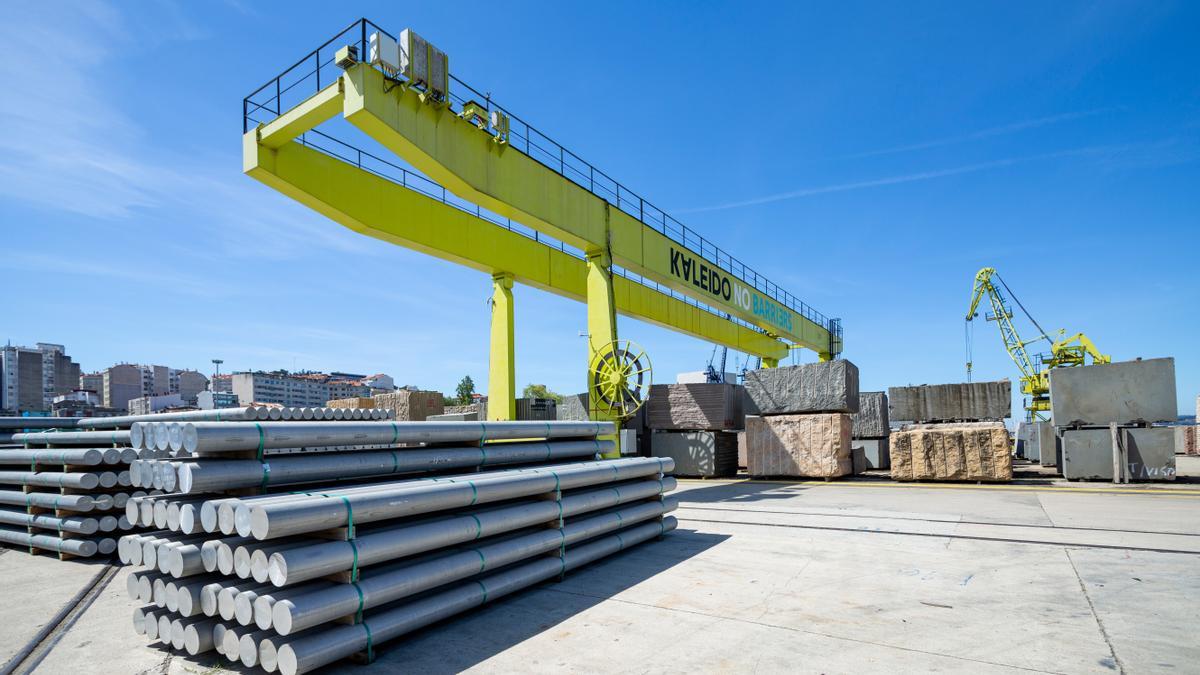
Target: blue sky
x: 867, y: 157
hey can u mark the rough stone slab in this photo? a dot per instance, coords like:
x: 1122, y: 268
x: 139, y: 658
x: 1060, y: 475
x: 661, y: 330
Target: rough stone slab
x: 695, y: 407
x: 703, y: 454
x: 871, y: 420
x: 966, y: 401
x: 454, y: 417
x: 574, y: 408
x: 813, y: 446
x: 1127, y: 392
x: 411, y: 406
x: 831, y: 386
x: 978, y: 452
x: 742, y: 451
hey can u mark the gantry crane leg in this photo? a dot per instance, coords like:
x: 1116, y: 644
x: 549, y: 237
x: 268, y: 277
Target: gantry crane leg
x: 502, y: 366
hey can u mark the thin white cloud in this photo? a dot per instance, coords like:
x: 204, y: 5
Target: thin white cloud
x: 1110, y: 150
x: 69, y: 145
x: 981, y: 134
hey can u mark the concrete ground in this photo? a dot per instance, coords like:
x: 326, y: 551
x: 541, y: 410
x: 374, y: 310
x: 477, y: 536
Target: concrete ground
x: 846, y: 576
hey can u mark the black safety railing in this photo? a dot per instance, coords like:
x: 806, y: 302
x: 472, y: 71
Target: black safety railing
x: 318, y: 69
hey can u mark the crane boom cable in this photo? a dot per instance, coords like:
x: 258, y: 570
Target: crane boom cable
x: 1027, y: 314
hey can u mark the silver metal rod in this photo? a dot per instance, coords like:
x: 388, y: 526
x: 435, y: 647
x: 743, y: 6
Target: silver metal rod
x: 88, y: 438
x: 301, y: 608
x: 72, y: 524
x: 215, y: 415
x: 215, y: 437
x: 311, y: 514
x: 310, y: 652
x: 373, y: 547
x: 82, y: 481
x: 7, y: 423
x: 209, y: 475
x: 49, y: 500
x: 79, y: 547
x: 79, y: 456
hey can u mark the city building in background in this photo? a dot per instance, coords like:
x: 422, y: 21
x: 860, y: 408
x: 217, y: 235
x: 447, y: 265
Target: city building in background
x: 211, y: 400
x: 302, y: 389
x: 124, y: 382
x: 144, y: 405
x: 31, y: 378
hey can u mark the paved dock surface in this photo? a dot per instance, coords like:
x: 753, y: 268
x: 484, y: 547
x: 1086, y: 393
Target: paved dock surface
x: 839, y: 577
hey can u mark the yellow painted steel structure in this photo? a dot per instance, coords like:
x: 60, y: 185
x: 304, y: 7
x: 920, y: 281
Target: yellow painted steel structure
x: 477, y: 166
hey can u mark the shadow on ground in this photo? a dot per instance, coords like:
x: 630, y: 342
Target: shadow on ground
x: 468, y: 640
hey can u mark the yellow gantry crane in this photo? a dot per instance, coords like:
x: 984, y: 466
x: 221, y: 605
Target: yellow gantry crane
x: 482, y: 188
x: 1035, y: 372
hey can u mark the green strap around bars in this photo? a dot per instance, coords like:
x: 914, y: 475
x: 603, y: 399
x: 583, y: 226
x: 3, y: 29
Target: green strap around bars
x: 261, y: 440
x: 474, y: 492
x: 395, y: 433
x: 482, y: 433
x: 482, y: 455
x: 354, y: 570
x: 482, y: 559
x: 479, y: 525
x: 483, y: 588
x: 358, y: 613
x: 547, y: 430
x: 370, y: 647
x: 395, y: 461
x: 548, y: 450
x: 349, y: 516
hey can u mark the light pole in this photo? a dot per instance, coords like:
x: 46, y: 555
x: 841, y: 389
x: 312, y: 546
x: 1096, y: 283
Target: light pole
x: 216, y: 373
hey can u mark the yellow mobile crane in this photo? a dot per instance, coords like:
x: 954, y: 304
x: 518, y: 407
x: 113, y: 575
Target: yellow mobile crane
x: 1035, y: 373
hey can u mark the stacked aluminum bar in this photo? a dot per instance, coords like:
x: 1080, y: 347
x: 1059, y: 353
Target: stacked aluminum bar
x: 66, y: 491
x: 299, y: 578
x: 244, y: 414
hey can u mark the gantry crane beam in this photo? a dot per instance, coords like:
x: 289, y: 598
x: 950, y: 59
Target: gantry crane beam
x: 455, y: 153
x: 372, y: 205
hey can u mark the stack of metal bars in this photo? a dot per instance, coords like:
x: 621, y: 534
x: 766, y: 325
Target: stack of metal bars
x: 292, y: 578
x: 65, y: 492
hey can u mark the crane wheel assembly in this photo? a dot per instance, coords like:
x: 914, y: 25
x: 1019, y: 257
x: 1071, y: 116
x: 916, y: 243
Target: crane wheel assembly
x: 619, y: 379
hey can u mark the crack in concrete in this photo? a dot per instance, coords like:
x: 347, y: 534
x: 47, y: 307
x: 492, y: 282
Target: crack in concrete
x: 1091, y: 606
x: 797, y: 630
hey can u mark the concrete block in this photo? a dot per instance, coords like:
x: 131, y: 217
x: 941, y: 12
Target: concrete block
x: 831, y: 386
x: 967, y: 401
x: 742, y: 453
x: 1048, y: 443
x: 1027, y: 446
x: 1088, y: 453
x: 707, y: 454
x: 710, y: 407
x: 871, y: 420
x: 976, y: 452
x: 411, y: 406
x: 1126, y: 393
x: 813, y: 445
x: 875, y: 452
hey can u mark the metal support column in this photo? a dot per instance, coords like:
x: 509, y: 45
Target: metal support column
x: 502, y: 367
x: 602, y: 325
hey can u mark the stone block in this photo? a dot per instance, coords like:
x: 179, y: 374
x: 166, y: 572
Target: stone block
x: 830, y: 386
x: 1126, y: 393
x: 812, y: 445
x: 959, y: 402
x: 705, y: 454
x: 871, y: 420
x: 708, y: 407
x: 411, y: 406
x: 1088, y: 453
x: 976, y: 452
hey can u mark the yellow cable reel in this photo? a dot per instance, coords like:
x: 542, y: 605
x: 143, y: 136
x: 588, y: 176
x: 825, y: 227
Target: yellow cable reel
x: 619, y: 379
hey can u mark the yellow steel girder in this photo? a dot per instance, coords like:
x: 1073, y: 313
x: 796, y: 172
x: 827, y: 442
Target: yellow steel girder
x: 375, y: 206
x: 457, y: 154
